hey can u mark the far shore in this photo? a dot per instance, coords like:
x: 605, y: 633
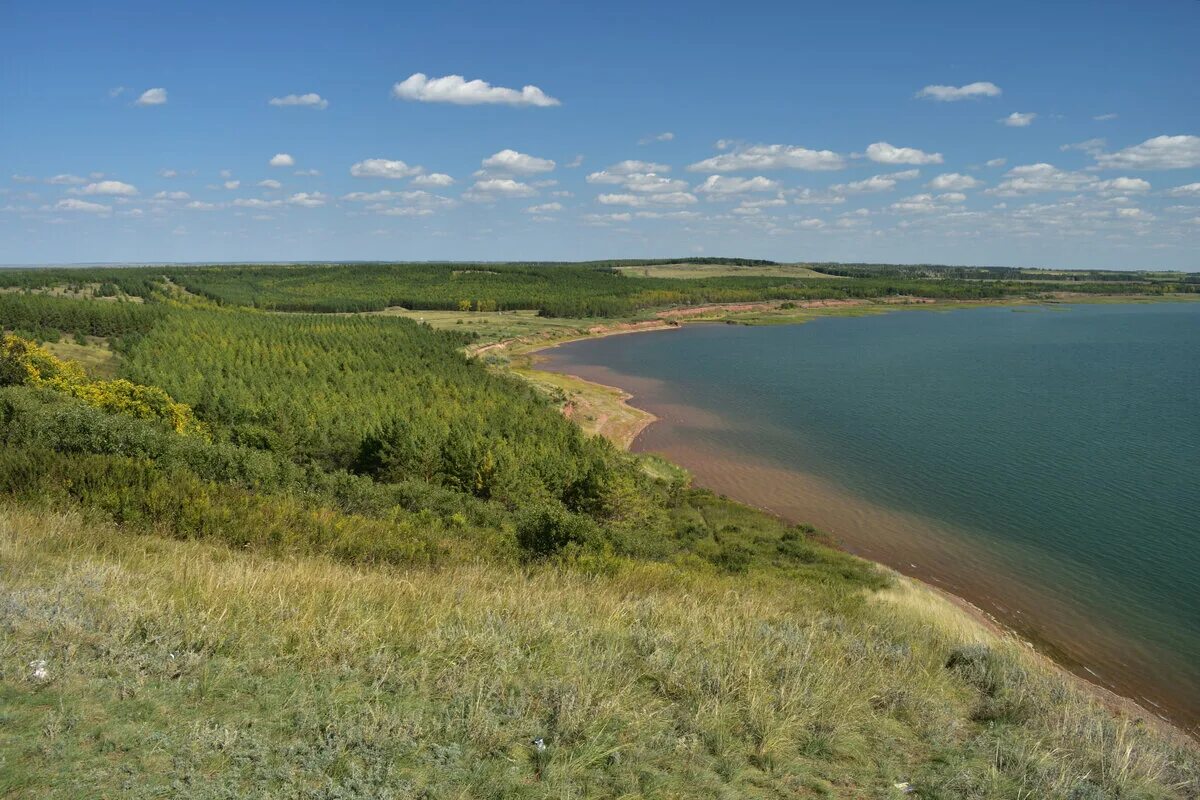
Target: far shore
x: 606, y: 410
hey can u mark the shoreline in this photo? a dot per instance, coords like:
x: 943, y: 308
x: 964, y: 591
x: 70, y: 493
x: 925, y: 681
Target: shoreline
x: 1119, y: 703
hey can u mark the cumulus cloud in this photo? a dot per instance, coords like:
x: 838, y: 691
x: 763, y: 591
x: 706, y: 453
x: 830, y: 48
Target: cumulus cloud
x: 116, y: 188
x: 71, y: 204
x: 232, y: 184
x: 307, y: 199
x: 665, y: 136
x: 544, y: 208
x: 64, y: 180
x: 884, y: 153
x: 639, y: 200
x: 1018, y: 120
x: 996, y: 162
x: 433, y: 179
x: 310, y: 100
x: 200, y: 205
x: 172, y: 196
x: 577, y: 161
x: 1187, y: 190
x: 916, y: 204
x: 459, y: 91
x: 875, y: 183
x: 1089, y: 146
x: 1121, y: 185
x: 723, y: 185
x: 1161, y: 152
x: 254, y: 202
x: 620, y: 172
x: 384, y: 168
x: 282, y: 160
x: 512, y: 162
x: 1104, y: 117
x: 953, y: 182
x: 152, y: 97
x: 168, y: 173
x: 948, y: 94
x: 270, y: 183
x: 1033, y: 178
x: 489, y: 189
x: 771, y: 156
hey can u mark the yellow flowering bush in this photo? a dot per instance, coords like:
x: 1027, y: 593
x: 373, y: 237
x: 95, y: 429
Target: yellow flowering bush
x: 25, y: 363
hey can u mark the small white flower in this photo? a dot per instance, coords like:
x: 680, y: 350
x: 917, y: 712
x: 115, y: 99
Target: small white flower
x: 38, y: 672
x: 539, y: 744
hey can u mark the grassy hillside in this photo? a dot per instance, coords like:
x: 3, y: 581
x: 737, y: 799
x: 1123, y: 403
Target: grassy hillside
x: 252, y: 553
x: 181, y: 669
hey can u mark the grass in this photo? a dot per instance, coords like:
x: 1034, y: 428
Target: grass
x: 493, y: 326
x: 185, y: 669
x: 94, y: 355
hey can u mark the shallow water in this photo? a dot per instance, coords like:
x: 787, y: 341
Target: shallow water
x: 1042, y: 463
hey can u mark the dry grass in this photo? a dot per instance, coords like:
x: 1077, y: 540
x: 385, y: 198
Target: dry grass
x: 187, y: 670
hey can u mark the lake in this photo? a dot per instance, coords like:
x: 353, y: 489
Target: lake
x: 1041, y: 462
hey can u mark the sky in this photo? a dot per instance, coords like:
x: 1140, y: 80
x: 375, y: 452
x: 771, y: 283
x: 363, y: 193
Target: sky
x: 1038, y: 134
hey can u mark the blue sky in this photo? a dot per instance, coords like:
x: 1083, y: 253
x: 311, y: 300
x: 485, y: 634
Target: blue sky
x: 1061, y: 134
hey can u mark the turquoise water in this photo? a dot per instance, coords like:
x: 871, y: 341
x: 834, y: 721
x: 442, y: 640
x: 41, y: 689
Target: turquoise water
x: 1044, y: 463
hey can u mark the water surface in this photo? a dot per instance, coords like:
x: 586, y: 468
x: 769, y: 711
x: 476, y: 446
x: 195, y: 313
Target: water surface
x: 1042, y: 463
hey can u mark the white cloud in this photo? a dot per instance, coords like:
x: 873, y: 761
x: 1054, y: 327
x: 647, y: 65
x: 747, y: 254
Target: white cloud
x: 1187, y: 190
x: 1122, y: 185
x: 1089, y: 146
x: 309, y: 173
x: 200, y: 205
x: 876, y: 183
x: 116, y: 188
x: 665, y: 136
x: 1018, y: 120
x: 510, y: 161
x: 172, y: 196
x: 116, y: 91
x: 884, y: 153
x: 639, y: 200
x: 996, y: 162
x: 455, y: 89
x: 307, y: 199
x: 1134, y: 213
x: 809, y: 197
x: 947, y: 94
x: 918, y: 203
x: 168, y: 173
x: 577, y: 161
x: 66, y: 180
x: 152, y: 97
x: 254, y: 202
x: 492, y: 188
x: 1161, y: 152
x: 605, y: 219
x: 1104, y: 117
x: 270, y: 183
x: 232, y: 184
x: 310, y: 100
x: 1033, y: 178
x: 722, y: 185
x: 621, y: 172
x: 71, y: 204
x: 384, y: 168
x: 954, y: 182
x: 771, y: 156
x: 434, y: 179
x: 282, y: 160
x: 544, y: 208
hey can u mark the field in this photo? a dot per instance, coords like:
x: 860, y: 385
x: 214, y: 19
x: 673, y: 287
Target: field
x: 723, y: 271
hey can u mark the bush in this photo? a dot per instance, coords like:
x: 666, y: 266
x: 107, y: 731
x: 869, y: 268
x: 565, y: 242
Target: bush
x: 547, y: 531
